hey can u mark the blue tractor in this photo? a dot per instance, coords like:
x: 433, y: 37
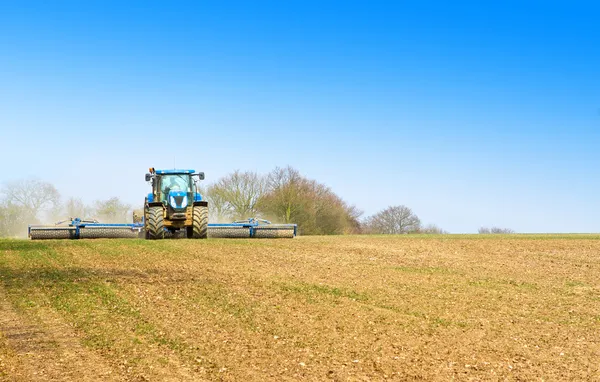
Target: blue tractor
x: 175, y: 205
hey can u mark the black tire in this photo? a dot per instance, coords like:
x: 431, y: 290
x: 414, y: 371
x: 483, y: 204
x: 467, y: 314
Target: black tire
x: 200, y: 222
x: 155, y: 225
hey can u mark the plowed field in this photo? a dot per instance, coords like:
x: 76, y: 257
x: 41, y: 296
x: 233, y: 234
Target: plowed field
x: 313, y: 308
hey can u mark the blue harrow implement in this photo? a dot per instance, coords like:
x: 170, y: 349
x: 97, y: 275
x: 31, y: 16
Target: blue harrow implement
x: 252, y: 228
x: 85, y: 229
x: 92, y: 229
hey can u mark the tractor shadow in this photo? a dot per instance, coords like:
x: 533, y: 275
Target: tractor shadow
x: 46, y: 277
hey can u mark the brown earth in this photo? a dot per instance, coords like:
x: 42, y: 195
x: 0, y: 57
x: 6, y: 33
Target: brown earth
x: 341, y: 308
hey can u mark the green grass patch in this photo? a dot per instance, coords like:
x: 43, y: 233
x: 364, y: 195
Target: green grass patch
x: 575, y: 283
x: 219, y: 297
x: 90, y: 302
x: 501, y: 283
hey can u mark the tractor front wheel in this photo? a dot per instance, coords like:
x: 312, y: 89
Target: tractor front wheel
x: 200, y: 223
x: 155, y: 224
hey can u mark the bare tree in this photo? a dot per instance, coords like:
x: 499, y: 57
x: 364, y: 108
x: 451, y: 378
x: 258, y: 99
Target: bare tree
x: 218, y: 207
x: 432, y: 229
x: 292, y: 198
x: 353, y: 217
x: 236, y: 195
x: 32, y: 196
x: 495, y: 230
x: 14, y: 220
x: 76, y: 208
x: 393, y: 220
x: 69, y: 209
x: 332, y: 214
x: 282, y: 177
x: 112, y: 210
x: 284, y: 198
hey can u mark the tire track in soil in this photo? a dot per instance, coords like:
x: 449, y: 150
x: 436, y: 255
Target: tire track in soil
x: 48, y: 350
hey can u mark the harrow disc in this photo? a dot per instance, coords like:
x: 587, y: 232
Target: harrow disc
x: 44, y: 233
x: 228, y: 232
x: 99, y: 232
x: 273, y: 231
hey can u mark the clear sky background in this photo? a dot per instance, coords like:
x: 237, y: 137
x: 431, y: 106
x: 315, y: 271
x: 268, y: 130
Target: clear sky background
x: 471, y: 113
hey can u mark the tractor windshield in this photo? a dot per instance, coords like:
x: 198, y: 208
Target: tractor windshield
x: 175, y: 182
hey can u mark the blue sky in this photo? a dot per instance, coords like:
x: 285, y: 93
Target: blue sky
x: 472, y: 114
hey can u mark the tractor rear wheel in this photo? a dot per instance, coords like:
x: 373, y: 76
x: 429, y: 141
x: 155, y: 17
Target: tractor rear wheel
x: 155, y: 225
x: 200, y: 222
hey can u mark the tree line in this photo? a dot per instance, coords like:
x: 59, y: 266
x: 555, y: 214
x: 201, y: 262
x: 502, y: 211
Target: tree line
x: 33, y: 201
x: 283, y: 195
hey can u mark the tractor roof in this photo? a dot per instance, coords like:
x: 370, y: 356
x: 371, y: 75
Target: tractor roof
x: 174, y: 171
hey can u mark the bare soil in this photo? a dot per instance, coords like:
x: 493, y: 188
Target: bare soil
x: 447, y: 307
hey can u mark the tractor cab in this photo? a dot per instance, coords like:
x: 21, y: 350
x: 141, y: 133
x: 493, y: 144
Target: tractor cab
x: 174, y: 187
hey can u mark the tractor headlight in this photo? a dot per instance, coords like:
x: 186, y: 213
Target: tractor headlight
x: 184, y: 202
x: 172, y: 202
